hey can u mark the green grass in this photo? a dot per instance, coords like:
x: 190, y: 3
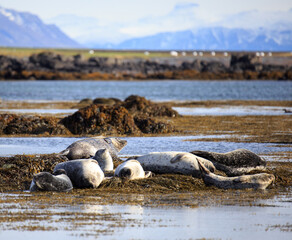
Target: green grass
x: 26, y: 52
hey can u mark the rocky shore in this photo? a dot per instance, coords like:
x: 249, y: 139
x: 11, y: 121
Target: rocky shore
x: 52, y: 66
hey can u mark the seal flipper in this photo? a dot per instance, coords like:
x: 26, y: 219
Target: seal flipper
x: 148, y: 174
x: 64, y: 152
x: 177, y: 158
x: 203, y: 169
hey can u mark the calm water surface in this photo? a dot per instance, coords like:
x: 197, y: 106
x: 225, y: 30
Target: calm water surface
x: 154, y: 90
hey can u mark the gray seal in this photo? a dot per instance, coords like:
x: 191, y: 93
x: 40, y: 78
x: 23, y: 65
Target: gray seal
x: 234, y: 163
x: 254, y: 181
x: 104, y: 160
x: 83, y: 173
x: 131, y: 169
x: 86, y: 148
x: 45, y: 181
x: 173, y: 162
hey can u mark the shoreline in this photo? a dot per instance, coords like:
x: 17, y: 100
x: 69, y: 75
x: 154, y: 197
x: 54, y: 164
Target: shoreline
x: 50, y: 65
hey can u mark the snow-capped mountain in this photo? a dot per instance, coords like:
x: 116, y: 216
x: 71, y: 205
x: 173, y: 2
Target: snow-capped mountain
x: 215, y: 38
x: 21, y: 29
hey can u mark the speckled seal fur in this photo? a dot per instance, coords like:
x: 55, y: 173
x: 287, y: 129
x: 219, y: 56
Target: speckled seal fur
x: 173, y: 162
x: 254, y: 181
x: 83, y: 173
x: 86, y: 148
x: 234, y: 163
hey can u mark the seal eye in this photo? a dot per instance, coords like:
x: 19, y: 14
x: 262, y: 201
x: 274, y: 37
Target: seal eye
x: 59, y: 172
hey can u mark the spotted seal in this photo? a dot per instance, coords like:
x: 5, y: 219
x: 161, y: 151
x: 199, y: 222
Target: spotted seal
x: 45, y: 181
x: 84, y: 173
x: 255, y: 181
x: 86, y: 148
x: 104, y: 160
x: 131, y: 169
x: 234, y: 163
x: 173, y: 162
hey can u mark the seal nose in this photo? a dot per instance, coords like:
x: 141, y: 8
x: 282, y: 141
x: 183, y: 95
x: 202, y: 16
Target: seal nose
x: 125, y: 173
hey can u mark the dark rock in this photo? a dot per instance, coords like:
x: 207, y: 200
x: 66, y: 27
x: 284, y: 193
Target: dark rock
x: 243, y: 62
x: 213, y: 67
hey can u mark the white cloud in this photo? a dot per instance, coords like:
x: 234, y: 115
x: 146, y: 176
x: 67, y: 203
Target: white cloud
x: 182, y: 17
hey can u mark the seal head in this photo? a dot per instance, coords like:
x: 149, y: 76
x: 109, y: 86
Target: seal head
x: 45, y: 181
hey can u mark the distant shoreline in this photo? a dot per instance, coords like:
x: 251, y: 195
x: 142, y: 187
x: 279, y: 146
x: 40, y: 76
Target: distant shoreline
x: 104, y: 65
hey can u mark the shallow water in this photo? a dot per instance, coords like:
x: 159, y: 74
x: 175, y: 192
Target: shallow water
x: 153, y: 90
x: 137, y: 145
x: 91, y: 221
x: 232, y: 111
x: 194, y: 111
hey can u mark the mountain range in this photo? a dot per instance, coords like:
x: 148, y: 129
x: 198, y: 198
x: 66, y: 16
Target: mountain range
x: 214, y: 38
x: 22, y: 29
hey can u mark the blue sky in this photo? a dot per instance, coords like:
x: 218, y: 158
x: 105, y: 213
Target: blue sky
x: 112, y: 21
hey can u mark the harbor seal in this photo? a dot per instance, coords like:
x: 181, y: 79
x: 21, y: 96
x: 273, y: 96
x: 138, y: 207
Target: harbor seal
x: 234, y: 163
x: 45, y: 181
x: 131, y: 169
x: 83, y: 173
x: 255, y: 181
x: 86, y: 148
x: 173, y: 162
x: 104, y: 160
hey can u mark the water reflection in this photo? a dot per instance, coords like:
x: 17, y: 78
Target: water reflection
x: 91, y: 221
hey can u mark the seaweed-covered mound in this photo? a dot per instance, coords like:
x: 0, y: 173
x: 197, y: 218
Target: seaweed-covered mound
x: 137, y: 105
x: 135, y: 115
x: 150, y: 125
x: 132, y: 116
x: 99, y: 119
x: 15, y: 124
